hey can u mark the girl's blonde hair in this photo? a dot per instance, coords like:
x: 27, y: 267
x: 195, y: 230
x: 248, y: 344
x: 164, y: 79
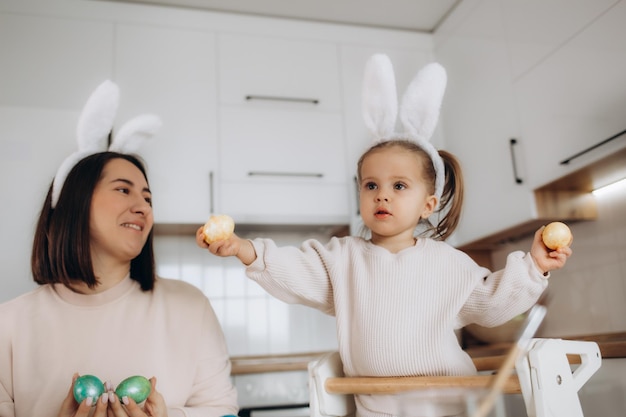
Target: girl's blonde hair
x: 449, y: 208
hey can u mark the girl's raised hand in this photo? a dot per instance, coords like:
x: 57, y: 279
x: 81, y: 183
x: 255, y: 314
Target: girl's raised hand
x: 547, y: 259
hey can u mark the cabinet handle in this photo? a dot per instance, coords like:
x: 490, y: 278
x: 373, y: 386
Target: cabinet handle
x: 211, y: 206
x: 356, y: 193
x: 591, y: 148
x: 284, y: 174
x: 313, y: 101
x: 512, y: 143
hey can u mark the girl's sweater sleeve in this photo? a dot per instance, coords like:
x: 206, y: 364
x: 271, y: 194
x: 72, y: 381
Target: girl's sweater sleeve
x: 297, y: 275
x: 499, y: 296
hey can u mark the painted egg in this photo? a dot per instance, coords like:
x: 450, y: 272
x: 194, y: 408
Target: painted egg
x: 556, y: 235
x: 219, y: 227
x: 135, y: 387
x: 88, y: 386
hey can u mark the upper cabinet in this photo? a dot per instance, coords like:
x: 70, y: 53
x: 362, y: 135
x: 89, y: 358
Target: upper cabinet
x: 529, y: 86
x: 281, y: 143
x: 171, y: 73
x: 575, y: 97
x: 281, y: 72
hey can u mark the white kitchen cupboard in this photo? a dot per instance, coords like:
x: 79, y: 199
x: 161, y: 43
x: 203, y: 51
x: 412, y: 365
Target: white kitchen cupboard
x: 281, y: 142
x: 502, y: 84
x: 479, y: 119
x: 171, y: 72
x: 575, y: 98
x: 280, y: 72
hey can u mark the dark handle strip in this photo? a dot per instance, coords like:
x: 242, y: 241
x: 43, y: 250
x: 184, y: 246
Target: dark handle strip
x: 512, y: 143
x: 291, y: 99
x: 597, y: 145
x: 284, y: 174
x: 211, y: 207
x: 358, y: 201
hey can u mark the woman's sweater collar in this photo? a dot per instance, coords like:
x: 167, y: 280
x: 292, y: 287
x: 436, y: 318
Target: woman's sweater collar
x: 66, y: 294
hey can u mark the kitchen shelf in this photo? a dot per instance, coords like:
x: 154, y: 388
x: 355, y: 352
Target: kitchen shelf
x: 568, y: 199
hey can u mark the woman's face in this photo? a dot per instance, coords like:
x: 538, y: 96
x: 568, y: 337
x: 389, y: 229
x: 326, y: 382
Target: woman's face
x: 121, y: 213
x: 393, y: 193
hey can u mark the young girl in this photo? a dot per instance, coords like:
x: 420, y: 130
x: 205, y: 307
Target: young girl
x: 399, y: 296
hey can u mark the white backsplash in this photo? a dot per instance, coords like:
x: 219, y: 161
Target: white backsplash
x: 588, y: 296
x: 254, y: 322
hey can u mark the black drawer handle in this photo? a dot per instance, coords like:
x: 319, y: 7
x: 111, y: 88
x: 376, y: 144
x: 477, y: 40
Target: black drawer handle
x: 313, y: 101
x: 284, y: 174
x: 512, y: 143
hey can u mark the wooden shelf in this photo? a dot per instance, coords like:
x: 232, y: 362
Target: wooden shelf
x: 568, y: 199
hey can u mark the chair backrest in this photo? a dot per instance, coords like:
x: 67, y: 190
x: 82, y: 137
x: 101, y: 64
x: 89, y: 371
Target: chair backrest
x: 332, y: 393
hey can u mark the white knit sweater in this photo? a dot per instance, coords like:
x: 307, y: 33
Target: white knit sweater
x: 396, y: 313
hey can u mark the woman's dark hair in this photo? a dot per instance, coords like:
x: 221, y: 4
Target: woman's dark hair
x: 61, y: 247
x: 451, y: 201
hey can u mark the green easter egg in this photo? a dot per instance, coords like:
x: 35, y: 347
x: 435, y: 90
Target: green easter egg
x: 88, y: 386
x: 135, y: 387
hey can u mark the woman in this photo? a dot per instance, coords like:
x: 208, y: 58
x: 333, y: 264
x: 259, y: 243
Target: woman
x: 101, y: 310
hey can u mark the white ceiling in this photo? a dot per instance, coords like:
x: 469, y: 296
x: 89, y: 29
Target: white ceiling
x: 413, y: 15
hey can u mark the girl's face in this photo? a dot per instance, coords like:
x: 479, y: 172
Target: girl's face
x: 121, y: 213
x: 394, y: 195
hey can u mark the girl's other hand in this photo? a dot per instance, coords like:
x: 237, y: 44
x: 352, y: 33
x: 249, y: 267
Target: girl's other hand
x: 546, y: 259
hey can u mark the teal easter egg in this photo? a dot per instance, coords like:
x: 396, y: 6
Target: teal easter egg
x: 87, y: 386
x: 135, y: 387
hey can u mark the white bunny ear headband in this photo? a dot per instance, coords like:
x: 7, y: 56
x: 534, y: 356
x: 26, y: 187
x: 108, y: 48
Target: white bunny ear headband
x: 419, y: 111
x: 94, y: 125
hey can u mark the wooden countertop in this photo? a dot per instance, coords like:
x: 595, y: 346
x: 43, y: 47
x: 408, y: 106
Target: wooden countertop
x: 272, y: 363
x: 612, y: 345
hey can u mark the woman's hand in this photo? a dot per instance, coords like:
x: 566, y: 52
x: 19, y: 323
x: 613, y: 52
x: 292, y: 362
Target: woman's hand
x: 233, y: 246
x: 70, y: 408
x: 546, y: 259
x: 126, y: 407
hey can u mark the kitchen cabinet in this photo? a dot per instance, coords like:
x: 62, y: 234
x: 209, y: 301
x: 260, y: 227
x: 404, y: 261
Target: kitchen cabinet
x: 278, y: 72
x: 575, y: 99
x: 479, y: 119
x: 171, y: 73
x: 520, y: 101
x: 282, y: 167
x: 281, y: 141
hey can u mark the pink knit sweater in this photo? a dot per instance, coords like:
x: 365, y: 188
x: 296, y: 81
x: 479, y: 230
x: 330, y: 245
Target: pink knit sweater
x: 396, y: 313
x: 171, y: 333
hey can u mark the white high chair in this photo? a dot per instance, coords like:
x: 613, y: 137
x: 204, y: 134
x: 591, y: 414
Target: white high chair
x: 545, y: 378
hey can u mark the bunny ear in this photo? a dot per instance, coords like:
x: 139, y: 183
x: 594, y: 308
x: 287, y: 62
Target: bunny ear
x: 421, y: 102
x: 132, y: 134
x: 380, y: 100
x: 96, y: 119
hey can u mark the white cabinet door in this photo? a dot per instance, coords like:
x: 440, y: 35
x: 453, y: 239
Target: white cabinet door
x: 171, y: 73
x: 479, y: 120
x: 282, y: 166
x: 575, y: 98
x: 260, y: 70
x: 281, y: 143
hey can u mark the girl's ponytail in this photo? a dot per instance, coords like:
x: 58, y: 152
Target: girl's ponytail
x: 451, y: 199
